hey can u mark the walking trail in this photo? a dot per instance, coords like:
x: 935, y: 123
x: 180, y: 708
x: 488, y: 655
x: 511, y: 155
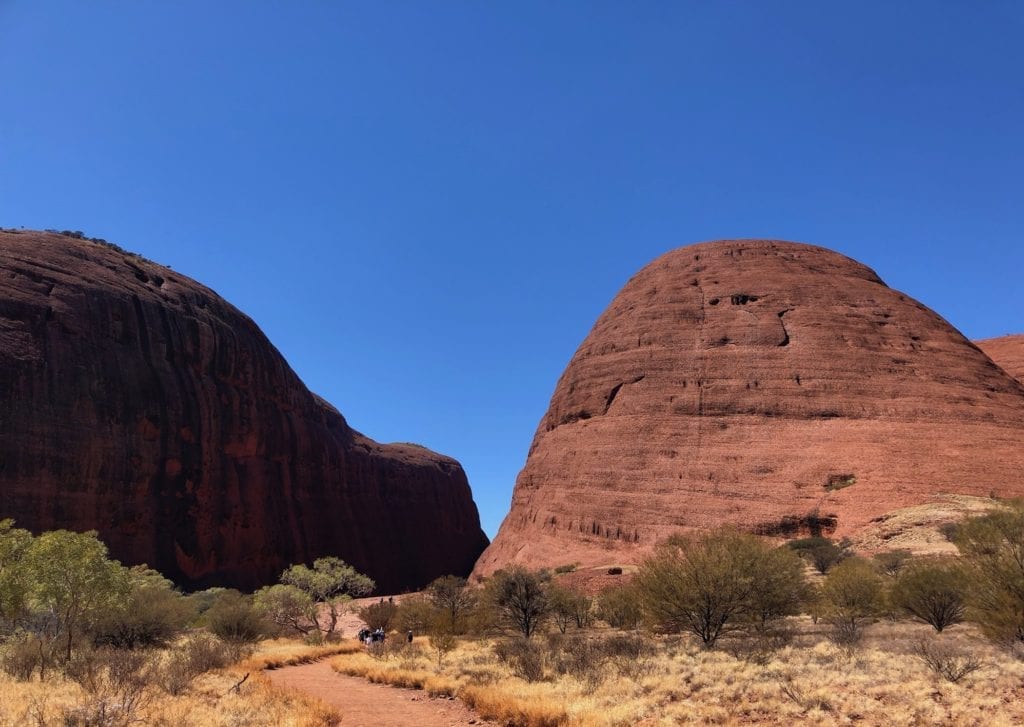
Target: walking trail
x: 363, y: 704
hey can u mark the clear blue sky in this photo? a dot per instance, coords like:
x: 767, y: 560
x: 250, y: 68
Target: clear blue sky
x: 425, y: 205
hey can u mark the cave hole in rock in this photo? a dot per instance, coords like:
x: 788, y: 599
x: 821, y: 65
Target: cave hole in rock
x: 743, y: 299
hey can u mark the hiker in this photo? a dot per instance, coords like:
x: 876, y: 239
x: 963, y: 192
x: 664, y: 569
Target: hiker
x: 408, y: 637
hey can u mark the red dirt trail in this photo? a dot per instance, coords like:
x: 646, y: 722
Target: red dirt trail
x: 363, y: 704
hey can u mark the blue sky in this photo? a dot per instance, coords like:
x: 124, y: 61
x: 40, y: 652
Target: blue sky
x: 426, y: 205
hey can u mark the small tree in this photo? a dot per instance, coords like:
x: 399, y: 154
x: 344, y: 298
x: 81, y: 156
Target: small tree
x: 14, y: 578
x: 620, y: 606
x: 934, y: 593
x: 319, y: 596
x: 891, y: 562
x: 379, y: 615
x: 778, y: 589
x: 287, y: 607
x: 152, y: 614
x: 234, y: 618
x: 569, y: 607
x: 520, y: 598
x: 416, y: 614
x: 993, y: 548
x: 853, y: 593
x: 716, y: 583
x: 73, y: 583
x: 451, y: 595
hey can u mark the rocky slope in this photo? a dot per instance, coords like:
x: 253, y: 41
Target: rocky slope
x: 780, y: 387
x: 1008, y: 352
x: 136, y: 402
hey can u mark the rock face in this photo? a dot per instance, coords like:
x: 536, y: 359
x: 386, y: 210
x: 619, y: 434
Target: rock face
x: 136, y: 402
x: 1008, y: 352
x: 780, y: 387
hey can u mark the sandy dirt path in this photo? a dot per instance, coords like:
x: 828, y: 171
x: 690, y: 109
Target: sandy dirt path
x: 364, y: 704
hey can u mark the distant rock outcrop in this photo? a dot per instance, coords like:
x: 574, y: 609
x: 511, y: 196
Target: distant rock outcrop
x: 780, y: 387
x: 136, y: 402
x: 1008, y: 352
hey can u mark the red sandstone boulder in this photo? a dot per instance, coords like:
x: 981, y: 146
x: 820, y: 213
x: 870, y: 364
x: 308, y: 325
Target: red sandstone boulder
x: 780, y: 387
x: 136, y: 402
x: 1008, y: 352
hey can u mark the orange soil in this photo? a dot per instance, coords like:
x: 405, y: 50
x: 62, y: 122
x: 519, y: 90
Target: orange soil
x: 373, y: 705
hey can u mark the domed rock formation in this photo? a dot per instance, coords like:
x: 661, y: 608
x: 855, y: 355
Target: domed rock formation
x: 1008, y: 352
x: 776, y: 386
x: 136, y: 402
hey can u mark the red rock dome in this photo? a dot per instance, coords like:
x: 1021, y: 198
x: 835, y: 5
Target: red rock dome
x: 777, y: 386
x: 136, y: 402
x: 1008, y: 352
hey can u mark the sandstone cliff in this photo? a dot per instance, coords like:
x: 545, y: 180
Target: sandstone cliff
x: 1008, y: 352
x: 136, y: 402
x: 780, y: 387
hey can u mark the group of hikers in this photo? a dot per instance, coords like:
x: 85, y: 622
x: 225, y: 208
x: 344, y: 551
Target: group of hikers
x: 371, y: 637
x: 376, y: 636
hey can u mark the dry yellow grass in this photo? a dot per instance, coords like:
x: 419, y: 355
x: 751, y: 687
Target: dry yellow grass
x: 811, y: 682
x: 210, y: 702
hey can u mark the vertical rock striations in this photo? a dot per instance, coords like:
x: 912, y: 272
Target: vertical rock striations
x: 136, y: 402
x: 780, y: 387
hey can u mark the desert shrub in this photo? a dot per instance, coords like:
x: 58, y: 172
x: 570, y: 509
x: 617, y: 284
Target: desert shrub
x: 945, y: 661
x: 950, y: 531
x: 452, y: 597
x: 519, y: 599
x: 820, y: 552
x: 152, y: 614
x: 891, y: 562
x: 118, y: 685
x: 22, y: 654
x: 579, y: 657
x: 716, y: 583
x: 416, y: 614
x: 379, y: 615
x: 934, y: 593
x: 232, y: 617
x: 620, y: 606
x: 631, y: 654
x: 524, y: 657
x: 853, y: 594
x: 778, y: 589
x: 442, y: 642
x: 569, y: 607
x: 196, y: 655
x: 993, y: 549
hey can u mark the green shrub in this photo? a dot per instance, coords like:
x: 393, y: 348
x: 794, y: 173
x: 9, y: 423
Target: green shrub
x: 379, y: 615
x: 232, y: 617
x: 853, y: 594
x: 891, y: 562
x: 569, y: 607
x: 620, y: 606
x: 934, y: 593
x: 715, y: 583
x: 520, y: 599
x: 152, y: 614
x: 993, y: 549
x: 524, y: 657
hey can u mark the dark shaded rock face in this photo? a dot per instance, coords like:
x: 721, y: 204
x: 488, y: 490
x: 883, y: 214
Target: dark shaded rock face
x: 779, y: 387
x: 136, y: 402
